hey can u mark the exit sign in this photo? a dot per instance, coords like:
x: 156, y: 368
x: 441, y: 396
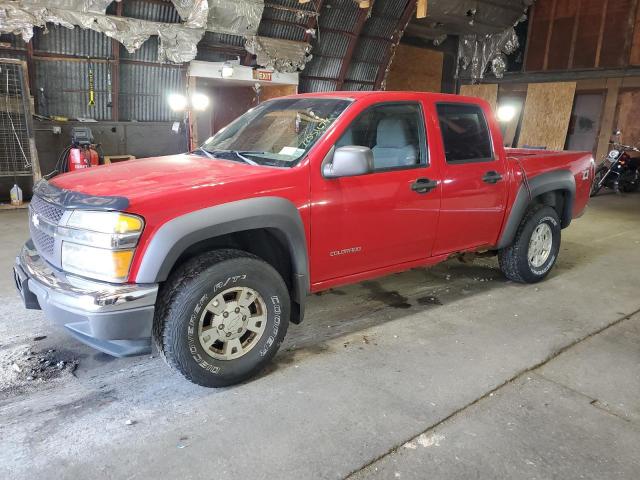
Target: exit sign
x: 263, y: 75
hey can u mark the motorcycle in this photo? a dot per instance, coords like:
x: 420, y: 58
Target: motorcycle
x: 619, y: 171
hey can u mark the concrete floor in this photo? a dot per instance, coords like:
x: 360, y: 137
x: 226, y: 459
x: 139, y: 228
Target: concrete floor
x: 450, y: 372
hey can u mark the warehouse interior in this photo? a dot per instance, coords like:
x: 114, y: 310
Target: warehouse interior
x: 445, y: 368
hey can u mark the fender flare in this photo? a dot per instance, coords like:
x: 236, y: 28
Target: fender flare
x: 174, y: 237
x: 562, y: 180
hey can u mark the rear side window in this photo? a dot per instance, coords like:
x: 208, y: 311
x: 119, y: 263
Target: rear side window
x: 465, y: 133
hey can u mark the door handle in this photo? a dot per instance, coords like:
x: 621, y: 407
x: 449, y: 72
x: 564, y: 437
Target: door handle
x: 423, y: 185
x: 492, y: 177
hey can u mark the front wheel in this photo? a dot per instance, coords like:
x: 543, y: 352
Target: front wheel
x: 535, y: 248
x: 597, y: 178
x: 221, y: 317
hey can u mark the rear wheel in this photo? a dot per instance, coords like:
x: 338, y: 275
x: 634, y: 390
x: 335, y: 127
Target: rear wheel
x: 630, y: 186
x: 535, y: 248
x: 221, y: 317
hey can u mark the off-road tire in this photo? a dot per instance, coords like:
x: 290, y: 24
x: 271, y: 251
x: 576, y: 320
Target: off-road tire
x: 595, y: 189
x: 190, y: 288
x: 514, y: 261
x: 630, y: 187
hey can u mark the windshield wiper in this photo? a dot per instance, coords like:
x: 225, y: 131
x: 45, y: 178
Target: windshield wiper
x: 247, y: 160
x: 238, y: 153
x: 206, y: 152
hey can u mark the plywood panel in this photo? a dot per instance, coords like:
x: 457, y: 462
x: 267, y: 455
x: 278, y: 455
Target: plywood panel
x: 547, y: 111
x: 628, y: 112
x: 486, y: 91
x: 415, y: 69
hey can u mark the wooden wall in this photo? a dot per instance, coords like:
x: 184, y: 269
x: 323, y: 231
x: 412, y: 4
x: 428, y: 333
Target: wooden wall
x: 274, y: 91
x: 415, y: 69
x: 583, y: 34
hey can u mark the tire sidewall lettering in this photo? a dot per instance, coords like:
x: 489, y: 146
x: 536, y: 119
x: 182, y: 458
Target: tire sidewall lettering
x: 277, y: 310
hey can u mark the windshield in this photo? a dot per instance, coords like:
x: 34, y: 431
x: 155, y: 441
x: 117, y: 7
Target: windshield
x: 278, y: 132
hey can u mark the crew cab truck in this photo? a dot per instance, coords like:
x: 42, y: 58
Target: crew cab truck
x: 212, y: 253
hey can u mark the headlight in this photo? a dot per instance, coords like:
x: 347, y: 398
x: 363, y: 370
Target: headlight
x: 98, y: 263
x: 100, y: 245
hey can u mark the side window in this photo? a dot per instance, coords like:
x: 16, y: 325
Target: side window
x: 394, y: 132
x: 465, y: 133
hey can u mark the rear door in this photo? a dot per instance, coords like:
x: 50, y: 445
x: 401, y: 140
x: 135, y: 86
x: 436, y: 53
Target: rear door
x: 474, y: 179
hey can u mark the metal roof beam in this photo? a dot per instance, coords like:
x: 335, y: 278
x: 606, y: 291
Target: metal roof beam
x: 403, y: 21
x: 363, y: 14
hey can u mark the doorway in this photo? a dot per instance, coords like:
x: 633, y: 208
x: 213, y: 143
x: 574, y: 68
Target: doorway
x: 584, y: 125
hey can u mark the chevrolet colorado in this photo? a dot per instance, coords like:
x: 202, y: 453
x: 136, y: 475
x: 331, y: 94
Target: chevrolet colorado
x: 212, y: 253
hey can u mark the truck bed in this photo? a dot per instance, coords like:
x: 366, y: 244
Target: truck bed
x: 538, y: 162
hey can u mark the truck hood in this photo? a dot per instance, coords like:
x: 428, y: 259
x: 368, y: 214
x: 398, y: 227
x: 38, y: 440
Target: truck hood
x: 146, y: 178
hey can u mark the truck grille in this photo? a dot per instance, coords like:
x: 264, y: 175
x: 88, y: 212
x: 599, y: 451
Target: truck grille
x: 45, y: 211
x: 43, y: 242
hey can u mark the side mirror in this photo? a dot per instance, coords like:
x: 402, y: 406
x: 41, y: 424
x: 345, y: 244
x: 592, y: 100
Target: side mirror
x: 349, y: 161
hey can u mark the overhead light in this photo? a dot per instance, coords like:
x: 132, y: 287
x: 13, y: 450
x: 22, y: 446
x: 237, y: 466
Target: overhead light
x: 177, y: 102
x: 506, y: 113
x: 227, y: 70
x: 199, y: 101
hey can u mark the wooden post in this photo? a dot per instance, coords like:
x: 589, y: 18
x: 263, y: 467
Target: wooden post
x: 193, y: 115
x: 115, y: 73
x: 545, y: 63
x: 421, y: 11
x: 605, y: 4
x: 608, y: 116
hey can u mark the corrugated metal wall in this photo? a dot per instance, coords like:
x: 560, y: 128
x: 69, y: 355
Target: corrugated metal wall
x: 62, y: 88
x: 144, y: 90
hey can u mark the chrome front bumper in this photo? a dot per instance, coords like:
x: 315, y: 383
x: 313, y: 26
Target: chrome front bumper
x: 115, y: 319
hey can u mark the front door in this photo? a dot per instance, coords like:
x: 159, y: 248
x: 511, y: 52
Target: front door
x: 381, y: 219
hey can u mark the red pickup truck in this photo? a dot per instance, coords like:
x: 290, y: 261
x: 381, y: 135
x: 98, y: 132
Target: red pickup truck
x: 212, y: 253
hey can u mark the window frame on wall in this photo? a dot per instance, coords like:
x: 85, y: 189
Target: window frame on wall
x: 483, y: 116
x: 421, y: 139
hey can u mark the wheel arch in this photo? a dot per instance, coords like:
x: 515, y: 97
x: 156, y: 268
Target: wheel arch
x: 268, y: 227
x: 556, y: 189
